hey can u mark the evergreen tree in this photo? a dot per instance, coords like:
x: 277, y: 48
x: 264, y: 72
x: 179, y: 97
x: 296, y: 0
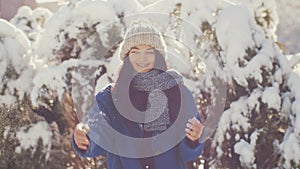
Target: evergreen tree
x: 74, y: 53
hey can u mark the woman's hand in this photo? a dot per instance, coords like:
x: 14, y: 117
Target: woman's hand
x: 193, y: 129
x: 80, y: 136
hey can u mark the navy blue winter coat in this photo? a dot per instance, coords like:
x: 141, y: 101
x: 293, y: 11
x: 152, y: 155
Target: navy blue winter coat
x: 175, y: 158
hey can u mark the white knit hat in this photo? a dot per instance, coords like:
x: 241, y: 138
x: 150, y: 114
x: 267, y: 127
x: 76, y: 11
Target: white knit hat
x: 142, y: 32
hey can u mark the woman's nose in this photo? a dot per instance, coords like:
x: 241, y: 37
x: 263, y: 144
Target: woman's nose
x: 142, y: 56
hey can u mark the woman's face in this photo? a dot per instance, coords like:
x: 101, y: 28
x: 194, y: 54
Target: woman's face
x: 142, y: 58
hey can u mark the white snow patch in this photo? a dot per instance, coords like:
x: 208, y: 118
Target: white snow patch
x: 272, y: 98
x: 291, y: 150
x: 246, y: 150
x: 29, y: 138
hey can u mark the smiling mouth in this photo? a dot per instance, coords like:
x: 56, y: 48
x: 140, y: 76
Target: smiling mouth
x: 143, y: 65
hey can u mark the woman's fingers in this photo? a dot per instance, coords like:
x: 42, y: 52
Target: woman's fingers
x: 194, y: 124
x: 80, y: 133
x: 81, y: 141
x: 189, y: 132
x: 192, y: 135
x: 80, y: 137
x: 193, y: 129
x: 82, y: 146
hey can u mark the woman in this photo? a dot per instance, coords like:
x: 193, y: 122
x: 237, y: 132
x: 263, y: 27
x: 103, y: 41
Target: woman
x: 160, y: 103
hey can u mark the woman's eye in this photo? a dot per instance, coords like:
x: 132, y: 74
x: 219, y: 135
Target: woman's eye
x: 133, y: 52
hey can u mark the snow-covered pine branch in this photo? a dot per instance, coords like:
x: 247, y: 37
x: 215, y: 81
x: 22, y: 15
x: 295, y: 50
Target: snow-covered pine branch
x: 16, y: 72
x: 294, y: 60
x: 31, y: 22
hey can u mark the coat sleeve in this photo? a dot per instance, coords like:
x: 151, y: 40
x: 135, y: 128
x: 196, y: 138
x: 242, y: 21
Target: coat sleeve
x: 190, y: 150
x: 91, y: 120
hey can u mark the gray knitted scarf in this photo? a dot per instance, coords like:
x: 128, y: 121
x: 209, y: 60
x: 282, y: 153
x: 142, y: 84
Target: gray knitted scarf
x: 154, y: 83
